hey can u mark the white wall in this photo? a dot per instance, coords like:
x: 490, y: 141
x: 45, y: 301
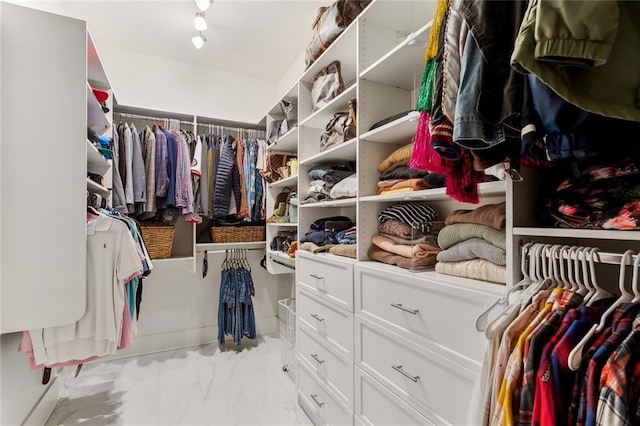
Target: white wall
x: 152, y: 82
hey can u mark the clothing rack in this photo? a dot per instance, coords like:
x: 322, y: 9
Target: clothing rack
x: 239, y: 131
x: 205, y: 258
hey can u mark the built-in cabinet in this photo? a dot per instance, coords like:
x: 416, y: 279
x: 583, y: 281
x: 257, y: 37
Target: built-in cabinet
x: 47, y: 104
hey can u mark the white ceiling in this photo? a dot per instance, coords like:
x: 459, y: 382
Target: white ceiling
x: 259, y: 38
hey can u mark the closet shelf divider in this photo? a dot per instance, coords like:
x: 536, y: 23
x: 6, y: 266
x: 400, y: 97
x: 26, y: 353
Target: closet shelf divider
x: 288, y: 143
x: 96, y: 118
x: 96, y: 188
x: 346, y: 151
x: 96, y: 163
x: 598, y: 234
x: 435, y: 194
x: 319, y: 119
x: 400, y: 131
x: 283, y: 183
x: 345, y: 202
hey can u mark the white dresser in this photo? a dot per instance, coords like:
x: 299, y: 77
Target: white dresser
x: 379, y: 345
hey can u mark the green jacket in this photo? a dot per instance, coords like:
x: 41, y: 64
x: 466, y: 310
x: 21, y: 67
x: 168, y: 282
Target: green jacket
x: 586, y: 51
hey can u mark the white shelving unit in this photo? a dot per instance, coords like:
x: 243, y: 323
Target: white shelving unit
x: 395, y: 132
x: 486, y: 189
x: 287, y: 142
x: 96, y: 163
x: 96, y: 188
x: 320, y: 118
x: 96, y: 118
x: 283, y: 183
x: 346, y: 151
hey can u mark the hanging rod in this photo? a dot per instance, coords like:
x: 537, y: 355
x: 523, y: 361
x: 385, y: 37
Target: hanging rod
x: 146, y: 117
x: 600, y: 257
x: 227, y: 250
x: 283, y: 264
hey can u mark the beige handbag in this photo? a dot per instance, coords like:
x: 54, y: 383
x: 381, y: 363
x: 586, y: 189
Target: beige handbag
x: 327, y: 85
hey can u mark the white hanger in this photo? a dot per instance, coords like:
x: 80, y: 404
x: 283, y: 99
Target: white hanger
x: 575, y: 356
x: 582, y: 290
x: 482, y: 322
x: 572, y: 255
x: 600, y: 293
x: 635, y: 286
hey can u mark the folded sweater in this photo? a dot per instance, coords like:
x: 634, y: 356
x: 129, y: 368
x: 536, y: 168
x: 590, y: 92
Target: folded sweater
x: 404, y: 172
x: 491, y: 215
x: 452, y: 234
x: 347, y: 250
x: 431, y: 240
x: 308, y: 246
x: 409, y: 251
x: 399, y: 155
x: 406, y: 184
x: 477, y: 269
x: 380, y: 255
x: 475, y: 248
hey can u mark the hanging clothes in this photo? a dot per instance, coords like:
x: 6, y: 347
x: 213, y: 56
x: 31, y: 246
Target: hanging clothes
x: 235, y: 307
x: 148, y: 139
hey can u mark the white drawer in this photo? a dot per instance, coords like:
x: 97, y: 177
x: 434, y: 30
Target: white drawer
x: 435, y: 386
x: 328, y: 275
x: 375, y: 405
x: 422, y: 309
x: 327, y: 320
x: 335, y: 370
x: 322, y: 403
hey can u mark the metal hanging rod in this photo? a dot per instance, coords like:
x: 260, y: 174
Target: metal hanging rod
x: 146, y: 117
x: 283, y: 264
x: 600, y: 256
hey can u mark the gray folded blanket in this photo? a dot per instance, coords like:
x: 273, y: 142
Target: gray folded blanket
x: 452, y: 234
x: 475, y: 248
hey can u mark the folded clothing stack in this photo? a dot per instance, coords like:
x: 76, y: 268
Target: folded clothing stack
x: 336, y: 235
x: 474, y: 244
x: 398, y: 177
x: 331, y: 182
x: 407, y: 237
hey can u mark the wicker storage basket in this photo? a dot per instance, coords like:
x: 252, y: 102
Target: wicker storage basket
x: 158, y: 237
x: 237, y: 234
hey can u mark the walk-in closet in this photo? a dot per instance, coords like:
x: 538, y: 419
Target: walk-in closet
x: 310, y: 212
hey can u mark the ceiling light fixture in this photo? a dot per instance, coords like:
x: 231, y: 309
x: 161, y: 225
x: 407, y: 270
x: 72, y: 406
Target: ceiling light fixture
x: 200, y: 23
x: 203, y: 5
x: 198, y: 41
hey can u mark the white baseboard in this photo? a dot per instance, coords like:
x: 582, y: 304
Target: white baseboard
x: 182, y: 339
x: 44, y: 407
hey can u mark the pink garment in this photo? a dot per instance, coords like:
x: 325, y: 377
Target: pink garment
x: 26, y: 347
x: 418, y: 250
x: 126, y: 335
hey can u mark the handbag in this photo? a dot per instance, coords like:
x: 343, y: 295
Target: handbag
x: 290, y: 111
x: 274, y: 163
x: 327, y: 84
x: 341, y: 128
x: 273, y: 129
x: 330, y: 23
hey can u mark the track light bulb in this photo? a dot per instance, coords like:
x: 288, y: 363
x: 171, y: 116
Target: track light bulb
x: 203, y: 5
x: 200, y: 23
x: 198, y: 41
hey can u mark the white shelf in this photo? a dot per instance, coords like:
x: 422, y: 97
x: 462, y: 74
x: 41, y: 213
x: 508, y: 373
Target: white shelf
x: 229, y: 246
x: 343, y: 49
x: 292, y: 93
x: 400, y: 131
x: 283, y: 183
x: 282, y: 257
x: 96, y: 188
x: 96, y: 163
x: 430, y: 276
x: 345, y: 202
x: 597, y: 234
x: 287, y: 143
x: 95, y: 71
x: 344, y: 152
x: 96, y: 118
x: 320, y: 118
x: 403, y: 66
x: 436, y: 194
x: 282, y: 225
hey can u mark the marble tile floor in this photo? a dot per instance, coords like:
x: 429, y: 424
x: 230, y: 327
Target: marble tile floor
x: 203, y: 385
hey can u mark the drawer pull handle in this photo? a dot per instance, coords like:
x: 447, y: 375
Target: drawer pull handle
x: 402, y: 308
x: 399, y: 369
x: 317, y: 277
x: 315, y: 399
x: 316, y: 317
x: 318, y: 360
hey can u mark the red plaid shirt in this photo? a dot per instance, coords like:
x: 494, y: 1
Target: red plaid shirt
x: 616, y: 399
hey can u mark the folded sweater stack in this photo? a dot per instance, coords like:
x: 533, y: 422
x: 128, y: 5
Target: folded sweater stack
x: 407, y: 236
x: 336, y: 235
x: 474, y: 244
x: 396, y: 176
x: 331, y: 182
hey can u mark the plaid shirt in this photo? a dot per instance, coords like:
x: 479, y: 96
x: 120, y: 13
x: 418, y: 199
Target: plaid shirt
x: 624, y: 326
x: 509, y: 396
x: 616, y: 397
x: 538, y: 339
x: 544, y: 403
x: 562, y: 377
x: 509, y: 339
